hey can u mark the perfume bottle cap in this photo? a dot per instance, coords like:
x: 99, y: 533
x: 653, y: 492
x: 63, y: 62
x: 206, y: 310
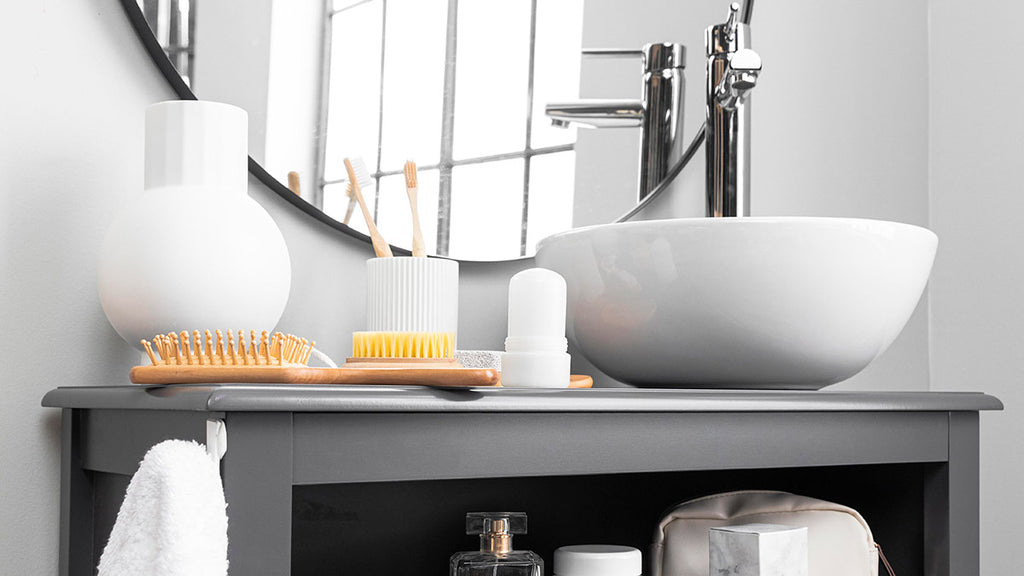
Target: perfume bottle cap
x: 480, y: 523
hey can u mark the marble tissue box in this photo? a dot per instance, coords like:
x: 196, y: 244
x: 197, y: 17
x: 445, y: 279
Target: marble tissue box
x: 758, y: 550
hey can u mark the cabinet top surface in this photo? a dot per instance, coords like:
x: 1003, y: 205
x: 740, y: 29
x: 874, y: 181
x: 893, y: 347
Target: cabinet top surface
x: 325, y: 398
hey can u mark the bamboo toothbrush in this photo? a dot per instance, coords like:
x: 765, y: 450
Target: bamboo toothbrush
x: 358, y: 174
x: 418, y: 248
x: 352, y: 197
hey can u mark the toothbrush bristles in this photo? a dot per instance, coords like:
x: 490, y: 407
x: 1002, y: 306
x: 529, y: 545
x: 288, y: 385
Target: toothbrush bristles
x: 362, y: 174
x: 410, y: 174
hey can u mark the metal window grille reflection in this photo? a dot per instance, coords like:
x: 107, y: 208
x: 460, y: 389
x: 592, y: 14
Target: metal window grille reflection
x: 447, y: 161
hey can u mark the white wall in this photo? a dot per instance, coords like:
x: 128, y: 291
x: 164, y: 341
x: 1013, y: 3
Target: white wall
x: 977, y: 202
x: 70, y: 152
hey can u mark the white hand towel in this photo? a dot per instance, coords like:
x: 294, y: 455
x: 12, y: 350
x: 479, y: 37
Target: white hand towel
x: 173, y: 521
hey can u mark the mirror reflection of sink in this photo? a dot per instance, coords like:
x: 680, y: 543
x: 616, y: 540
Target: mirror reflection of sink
x: 793, y: 303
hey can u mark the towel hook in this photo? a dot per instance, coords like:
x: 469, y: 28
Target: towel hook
x: 216, y: 439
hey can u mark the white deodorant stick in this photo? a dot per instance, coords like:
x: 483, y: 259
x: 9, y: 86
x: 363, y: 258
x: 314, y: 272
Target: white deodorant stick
x: 535, y: 350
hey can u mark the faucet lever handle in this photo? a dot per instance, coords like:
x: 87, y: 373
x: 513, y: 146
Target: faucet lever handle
x: 730, y: 22
x: 740, y: 77
x: 745, y: 60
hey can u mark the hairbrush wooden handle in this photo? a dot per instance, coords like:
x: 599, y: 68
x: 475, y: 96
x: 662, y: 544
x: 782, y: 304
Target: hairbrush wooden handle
x: 447, y: 377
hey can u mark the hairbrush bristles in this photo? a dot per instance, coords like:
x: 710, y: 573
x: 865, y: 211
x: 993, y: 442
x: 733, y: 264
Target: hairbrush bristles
x: 205, y: 349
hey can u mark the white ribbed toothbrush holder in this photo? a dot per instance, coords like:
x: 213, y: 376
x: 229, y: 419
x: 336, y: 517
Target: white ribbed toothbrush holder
x: 407, y: 294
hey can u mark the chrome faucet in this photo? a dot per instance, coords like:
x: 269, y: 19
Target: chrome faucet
x: 659, y: 113
x: 732, y: 71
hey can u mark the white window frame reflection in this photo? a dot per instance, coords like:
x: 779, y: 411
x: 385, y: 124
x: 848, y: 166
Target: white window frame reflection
x: 447, y: 162
x: 173, y: 23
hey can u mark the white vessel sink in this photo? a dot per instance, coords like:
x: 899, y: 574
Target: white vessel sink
x: 794, y: 303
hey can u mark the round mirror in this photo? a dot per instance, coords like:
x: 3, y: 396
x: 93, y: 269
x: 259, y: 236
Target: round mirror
x: 457, y: 86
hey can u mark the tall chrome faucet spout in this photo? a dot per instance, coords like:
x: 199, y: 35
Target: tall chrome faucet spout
x: 732, y: 72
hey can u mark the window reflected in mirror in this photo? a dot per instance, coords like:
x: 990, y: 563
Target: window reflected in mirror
x: 458, y: 86
x: 172, y: 22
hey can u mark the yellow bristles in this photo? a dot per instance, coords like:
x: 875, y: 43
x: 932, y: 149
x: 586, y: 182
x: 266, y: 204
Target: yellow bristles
x: 206, y: 350
x: 403, y: 344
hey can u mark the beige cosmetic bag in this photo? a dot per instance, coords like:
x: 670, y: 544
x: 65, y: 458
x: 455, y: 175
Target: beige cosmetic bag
x: 839, y: 541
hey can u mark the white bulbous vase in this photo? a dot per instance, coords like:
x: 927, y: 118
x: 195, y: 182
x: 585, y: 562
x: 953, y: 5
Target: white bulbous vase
x: 193, y: 251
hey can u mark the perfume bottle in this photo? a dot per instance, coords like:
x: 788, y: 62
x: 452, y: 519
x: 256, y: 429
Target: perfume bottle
x: 496, y: 556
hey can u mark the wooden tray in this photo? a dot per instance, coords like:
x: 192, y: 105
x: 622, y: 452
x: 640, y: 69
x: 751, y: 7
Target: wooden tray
x: 448, y: 377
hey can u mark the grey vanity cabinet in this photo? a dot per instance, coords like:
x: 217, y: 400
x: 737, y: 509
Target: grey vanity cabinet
x: 359, y: 480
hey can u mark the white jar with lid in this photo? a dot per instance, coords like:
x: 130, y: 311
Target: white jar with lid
x: 598, y: 560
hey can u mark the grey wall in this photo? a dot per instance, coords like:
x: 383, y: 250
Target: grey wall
x: 71, y: 155
x: 977, y: 198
